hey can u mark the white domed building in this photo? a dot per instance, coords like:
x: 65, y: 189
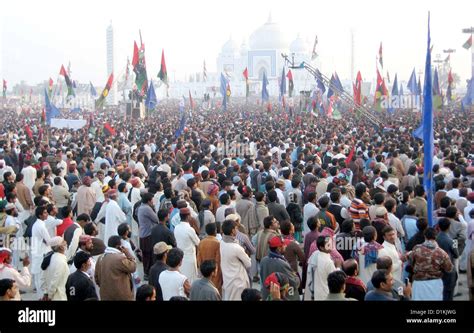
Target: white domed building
x: 261, y: 54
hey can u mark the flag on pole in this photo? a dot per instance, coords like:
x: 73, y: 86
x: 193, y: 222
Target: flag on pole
x: 469, y: 98
x: 449, y: 91
x: 467, y: 45
x: 437, y: 99
x: 265, y: 95
x: 291, y: 85
x: 380, y: 91
x: 100, y: 101
x: 50, y: 110
x: 204, y: 71
x: 314, y: 54
x: 151, y: 100
x: 357, y: 87
x: 163, y: 74
x: 412, y: 84
x: 4, y: 88
x: 428, y: 132
x: 380, y: 55
x: 70, y: 90
x: 182, y: 122
x: 395, y: 86
x: 319, y: 82
x: 92, y: 90
x: 246, y: 76
x: 139, y: 67
x: 223, y: 91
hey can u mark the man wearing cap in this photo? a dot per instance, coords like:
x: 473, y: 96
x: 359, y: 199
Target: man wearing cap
x: 276, y: 262
x: 85, y: 197
x: 79, y: 285
x: 280, y: 189
x: 7, y: 271
x: 160, y: 251
x: 134, y: 195
x: 245, y: 207
x: 56, y: 272
x: 187, y: 240
x: 114, y: 216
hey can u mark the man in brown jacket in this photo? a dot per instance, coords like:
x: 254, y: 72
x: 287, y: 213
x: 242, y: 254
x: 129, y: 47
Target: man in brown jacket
x: 113, y: 272
x: 23, y: 193
x: 209, y: 249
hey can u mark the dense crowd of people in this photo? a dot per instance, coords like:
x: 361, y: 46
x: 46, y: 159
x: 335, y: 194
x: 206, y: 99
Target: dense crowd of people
x: 244, y: 204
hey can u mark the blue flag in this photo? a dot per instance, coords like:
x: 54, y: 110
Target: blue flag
x: 412, y: 85
x: 265, y: 95
x: 283, y: 83
x: 395, y: 86
x: 182, y: 122
x: 331, y: 84
x: 338, y: 83
x: 321, y: 86
x: 224, y: 91
x: 51, y: 110
x: 93, y: 91
x: 151, y: 100
x: 469, y: 98
x: 428, y: 131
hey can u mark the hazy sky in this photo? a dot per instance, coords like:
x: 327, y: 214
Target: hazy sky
x: 38, y: 36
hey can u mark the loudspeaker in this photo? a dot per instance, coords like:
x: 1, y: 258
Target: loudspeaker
x: 134, y: 112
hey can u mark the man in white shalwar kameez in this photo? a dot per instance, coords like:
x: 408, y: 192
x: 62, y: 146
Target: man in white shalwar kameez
x: 390, y: 250
x: 114, y: 216
x: 40, y: 240
x: 187, y: 240
x: 234, y: 264
x: 57, y: 272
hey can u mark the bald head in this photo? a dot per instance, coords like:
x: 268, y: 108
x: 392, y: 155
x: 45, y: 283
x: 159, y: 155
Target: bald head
x: 350, y: 267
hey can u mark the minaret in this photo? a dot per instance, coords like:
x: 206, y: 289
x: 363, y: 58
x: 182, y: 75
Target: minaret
x: 111, y: 98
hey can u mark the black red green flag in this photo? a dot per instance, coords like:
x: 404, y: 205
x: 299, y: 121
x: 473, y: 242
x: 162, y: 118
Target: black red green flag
x: 139, y: 67
x: 70, y: 90
x: 163, y: 74
x: 100, y: 101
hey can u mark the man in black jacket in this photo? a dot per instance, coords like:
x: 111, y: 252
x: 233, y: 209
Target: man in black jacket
x: 79, y: 285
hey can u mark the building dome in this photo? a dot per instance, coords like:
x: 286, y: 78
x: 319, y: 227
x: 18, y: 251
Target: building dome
x: 230, y: 47
x: 268, y: 37
x: 299, y: 45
